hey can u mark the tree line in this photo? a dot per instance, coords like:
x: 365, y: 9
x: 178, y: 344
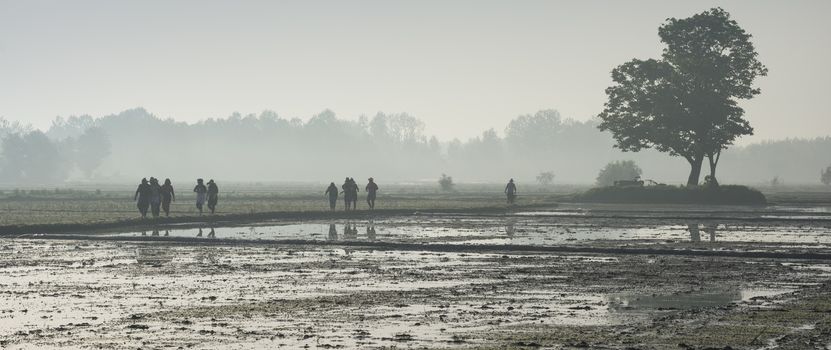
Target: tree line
x: 135, y: 143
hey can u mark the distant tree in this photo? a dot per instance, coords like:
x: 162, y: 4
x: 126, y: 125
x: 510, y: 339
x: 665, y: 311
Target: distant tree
x: 686, y: 104
x: 776, y: 181
x: 32, y: 158
x: 90, y: 150
x: 545, y: 178
x: 617, y: 171
x: 825, y: 176
x: 446, y: 183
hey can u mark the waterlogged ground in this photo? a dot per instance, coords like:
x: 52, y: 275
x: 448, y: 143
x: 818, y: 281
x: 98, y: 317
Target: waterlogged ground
x: 398, y: 282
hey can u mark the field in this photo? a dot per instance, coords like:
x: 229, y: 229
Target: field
x: 427, y: 270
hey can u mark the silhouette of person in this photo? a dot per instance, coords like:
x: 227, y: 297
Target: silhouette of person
x: 167, y: 196
x: 200, y: 233
x: 333, y: 232
x: 510, y: 191
x: 212, y: 234
x: 201, y: 194
x: 213, y: 195
x: 332, y: 192
x: 354, y: 193
x: 155, y: 196
x: 142, y: 197
x: 371, y: 191
x: 345, y: 188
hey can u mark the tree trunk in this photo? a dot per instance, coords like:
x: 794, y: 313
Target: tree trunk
x: 695, y: 170
x: 713, y: 159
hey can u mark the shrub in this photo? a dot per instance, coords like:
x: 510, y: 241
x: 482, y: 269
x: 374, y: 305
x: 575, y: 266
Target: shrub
x: 545, y: 178
x: 616, y: 171
x: 446, y: 183
x: 663, y: 194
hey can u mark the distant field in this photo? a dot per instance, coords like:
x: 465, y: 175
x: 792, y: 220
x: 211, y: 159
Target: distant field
x: 91, y: 203
x: 105, y: 203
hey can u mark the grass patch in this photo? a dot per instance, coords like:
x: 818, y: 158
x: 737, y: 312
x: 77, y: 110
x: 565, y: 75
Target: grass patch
x: 725, y: 194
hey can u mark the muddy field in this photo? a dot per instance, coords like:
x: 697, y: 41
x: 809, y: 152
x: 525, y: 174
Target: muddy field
x: 571, y: 277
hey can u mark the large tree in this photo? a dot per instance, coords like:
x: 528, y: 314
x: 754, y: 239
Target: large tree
x: 686, y: 103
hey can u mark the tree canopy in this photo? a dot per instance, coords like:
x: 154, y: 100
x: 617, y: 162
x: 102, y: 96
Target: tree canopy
x: 686, y: 103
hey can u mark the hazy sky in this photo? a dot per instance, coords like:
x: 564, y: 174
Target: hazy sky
x: 461, y: 66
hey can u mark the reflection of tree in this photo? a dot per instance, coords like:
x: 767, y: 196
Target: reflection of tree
x: 682, y: 301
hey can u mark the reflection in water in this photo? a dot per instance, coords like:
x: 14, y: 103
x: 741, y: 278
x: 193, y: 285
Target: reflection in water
x: 166, y: 233
x: 509, y: 227
x: 695, y: 232
x: 711, y: 229
x: 370, y: 230
x: 200, y: 233
x: 685, y: 301
x: 350, y: 231
x: 333, y: 232
x: 212, y: 234
x: 155, y: 232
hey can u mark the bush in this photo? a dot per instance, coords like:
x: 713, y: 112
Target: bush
x: 825, y: 176
x: 617, y: 171
x: 446, y: 183
x: 545, y: 178
x: 663, y: 194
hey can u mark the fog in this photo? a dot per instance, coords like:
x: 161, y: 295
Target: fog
x: 392, y: 147
x: 460, y: 66
x: 480, y: 90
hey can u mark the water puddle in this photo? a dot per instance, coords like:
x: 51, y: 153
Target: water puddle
x: 513, y: 231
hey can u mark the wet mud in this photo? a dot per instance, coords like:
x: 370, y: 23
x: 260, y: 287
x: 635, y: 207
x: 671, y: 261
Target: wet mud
x: 425, y: 281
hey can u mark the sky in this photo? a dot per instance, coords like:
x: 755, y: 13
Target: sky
x: 460, y: 66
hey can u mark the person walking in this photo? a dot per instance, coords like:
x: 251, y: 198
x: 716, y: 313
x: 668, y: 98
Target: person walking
x: 155, y: 196
x: 347, y: 200
x: 353, y: 193
x: 332, y: 192
x: 371, y: 191
x: 167, y: 196
x: 201, y: 194
x: 213, y: 195
x: 510, y: 191
x: 142, y: 197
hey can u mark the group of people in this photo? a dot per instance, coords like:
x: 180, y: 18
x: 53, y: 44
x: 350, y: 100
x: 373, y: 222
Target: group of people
x: 157, y: 198
x: 150, y: 195
x: 350, y: 194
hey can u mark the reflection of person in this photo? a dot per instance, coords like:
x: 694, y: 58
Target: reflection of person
x: 370, y: 230
x: 333, y: 232
x: 213, y: 195
x: 167, y: 196
x: 332, y: 192
x: 142, y: 197
x: 371, y: 190
x: 212, y: 234
x: 201, y: 194
x: 510, y: 191
x: 509, y: 228
x: 695, y: 234
x: 711, y: 229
